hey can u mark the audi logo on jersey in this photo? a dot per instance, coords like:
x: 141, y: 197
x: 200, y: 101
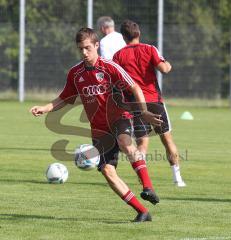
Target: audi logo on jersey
x: 93, y: 90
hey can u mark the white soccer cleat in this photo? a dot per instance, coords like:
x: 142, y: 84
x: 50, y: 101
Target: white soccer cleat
x: 180, y: 184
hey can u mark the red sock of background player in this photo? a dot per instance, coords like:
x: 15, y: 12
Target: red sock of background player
x: 142, y: 171
x: 131, y: 200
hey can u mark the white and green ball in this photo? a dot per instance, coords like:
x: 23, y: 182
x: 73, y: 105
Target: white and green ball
x: 57, y: 173
x: 86, y: 157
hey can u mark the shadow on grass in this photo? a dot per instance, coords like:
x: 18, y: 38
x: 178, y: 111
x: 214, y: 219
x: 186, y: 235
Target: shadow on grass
x: 89, y: 183
x: 197, y: 199
x: 19, y: 181
x: 26, y: 149
x: 15, y: 217
x: 22, y: 181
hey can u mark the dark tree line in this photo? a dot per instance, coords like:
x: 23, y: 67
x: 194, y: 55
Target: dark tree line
x: 51, y: 26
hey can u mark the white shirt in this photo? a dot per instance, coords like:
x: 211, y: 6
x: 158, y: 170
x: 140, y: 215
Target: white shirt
x: 110, y: 44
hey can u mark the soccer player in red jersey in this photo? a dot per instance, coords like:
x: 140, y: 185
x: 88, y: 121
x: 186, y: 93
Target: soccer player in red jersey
x: 139, y: 61
x: 92, y: 80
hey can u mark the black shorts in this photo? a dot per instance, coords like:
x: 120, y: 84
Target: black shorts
x: 142, y: 128
x: 107, y: 144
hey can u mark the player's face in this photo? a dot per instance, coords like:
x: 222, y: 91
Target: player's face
x: 89, y: 51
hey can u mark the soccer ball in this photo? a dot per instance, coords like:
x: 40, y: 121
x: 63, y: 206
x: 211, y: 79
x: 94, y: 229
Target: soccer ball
x: 57, y: 173
x: 86, y: 157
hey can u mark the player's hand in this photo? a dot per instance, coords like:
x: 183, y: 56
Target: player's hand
x: 154, y: 119
x: 38, y: 110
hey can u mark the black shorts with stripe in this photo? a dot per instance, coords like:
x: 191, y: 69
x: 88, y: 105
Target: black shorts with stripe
x: 107, y: 144
x: 142, y: 128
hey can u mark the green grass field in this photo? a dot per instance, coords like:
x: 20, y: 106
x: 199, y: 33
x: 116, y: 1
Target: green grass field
x: 86, y: 208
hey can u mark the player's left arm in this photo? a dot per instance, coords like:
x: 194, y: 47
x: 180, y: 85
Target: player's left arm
x: 125, y: 83
x: 139, y: 96
x: 141, y: 106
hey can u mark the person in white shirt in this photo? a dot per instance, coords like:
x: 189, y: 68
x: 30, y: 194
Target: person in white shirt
x: 112, y: 40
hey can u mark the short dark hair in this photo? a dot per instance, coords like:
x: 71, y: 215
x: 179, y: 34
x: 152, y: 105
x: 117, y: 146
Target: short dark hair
x: 130, y: 30
x: 85, y: 33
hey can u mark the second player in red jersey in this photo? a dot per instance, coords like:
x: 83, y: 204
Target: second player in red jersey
x: 139, y: 60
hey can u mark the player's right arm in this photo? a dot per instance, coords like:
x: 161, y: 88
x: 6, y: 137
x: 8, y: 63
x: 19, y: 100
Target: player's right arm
x: 55, y: 105
x: 67, y: 96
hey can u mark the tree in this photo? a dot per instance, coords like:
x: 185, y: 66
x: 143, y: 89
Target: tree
x: 9, y: 40
x: 200, y: 36
x: 43, y: 28
x: 50, y: 45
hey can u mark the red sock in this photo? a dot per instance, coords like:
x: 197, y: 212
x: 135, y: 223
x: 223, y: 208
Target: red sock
x: 142, y: 172
x: 131, y: 200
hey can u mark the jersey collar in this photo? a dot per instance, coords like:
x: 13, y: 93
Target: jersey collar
x: 91, y: 68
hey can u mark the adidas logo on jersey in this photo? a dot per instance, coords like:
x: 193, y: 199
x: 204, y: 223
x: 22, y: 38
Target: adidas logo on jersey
x: 81, y: 79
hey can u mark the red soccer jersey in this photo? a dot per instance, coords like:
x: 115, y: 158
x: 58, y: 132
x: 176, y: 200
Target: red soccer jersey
x: 139, y: 61
x: 94, y: 86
